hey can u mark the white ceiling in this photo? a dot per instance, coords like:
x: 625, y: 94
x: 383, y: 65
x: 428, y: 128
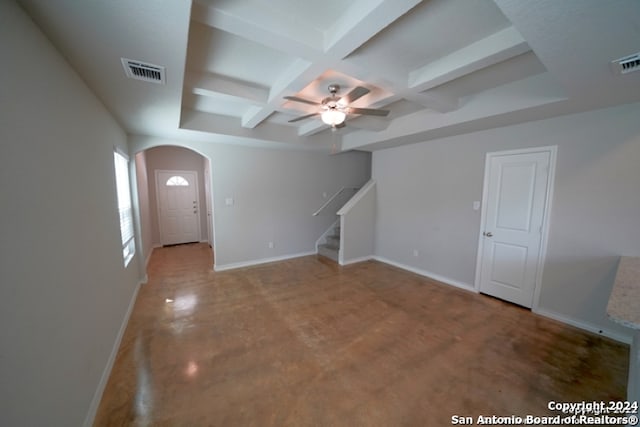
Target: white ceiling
x: 441, y: 67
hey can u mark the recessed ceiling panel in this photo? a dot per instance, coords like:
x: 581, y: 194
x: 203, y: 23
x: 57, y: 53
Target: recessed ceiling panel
x: 319, y: 15
x: 319, y: 88
x: 224, y: 106
x: 431, y: 30
x: 221, y: 53
x: 514, y: 69
x: 312, y: 15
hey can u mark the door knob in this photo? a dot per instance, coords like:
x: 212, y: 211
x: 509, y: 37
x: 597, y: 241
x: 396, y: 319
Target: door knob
x: 487, y: 234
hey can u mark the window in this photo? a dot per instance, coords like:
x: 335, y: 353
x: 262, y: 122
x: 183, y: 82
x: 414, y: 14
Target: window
x: 124, y: 206
x: 177, y: 180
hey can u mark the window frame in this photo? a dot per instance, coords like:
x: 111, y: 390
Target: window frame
x: 124, y: 204
x: 177, y: 181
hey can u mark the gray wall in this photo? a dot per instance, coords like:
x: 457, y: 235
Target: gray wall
x: 275, y: 193
x: 425, y: 194
x: 65, y: 290
x: 173, y: 158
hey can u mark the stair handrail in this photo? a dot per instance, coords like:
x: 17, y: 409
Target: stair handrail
x: 337, y: 193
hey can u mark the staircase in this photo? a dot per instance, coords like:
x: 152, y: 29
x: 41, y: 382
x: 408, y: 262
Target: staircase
x: 331, y: 247
x: 357, y: 219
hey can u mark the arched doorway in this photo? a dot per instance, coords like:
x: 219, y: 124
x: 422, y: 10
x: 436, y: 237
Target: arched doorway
x: 166, y: 162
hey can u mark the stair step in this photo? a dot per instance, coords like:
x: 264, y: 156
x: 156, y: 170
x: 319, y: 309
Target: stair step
x: 333, y: 240
x: 328, y: 251
x: 332, y: 246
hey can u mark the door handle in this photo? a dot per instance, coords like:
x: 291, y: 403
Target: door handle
x: 487, y: 234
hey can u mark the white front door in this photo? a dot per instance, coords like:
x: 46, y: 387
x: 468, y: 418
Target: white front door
x: 178, y: 207
x: 515, y: 202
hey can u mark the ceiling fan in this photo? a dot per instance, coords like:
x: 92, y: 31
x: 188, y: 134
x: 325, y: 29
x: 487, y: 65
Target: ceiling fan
x: 334, y: 109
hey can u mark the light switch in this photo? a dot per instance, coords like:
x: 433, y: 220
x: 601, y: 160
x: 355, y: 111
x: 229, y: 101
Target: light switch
x: 228, y: 201
x: 476, y: 205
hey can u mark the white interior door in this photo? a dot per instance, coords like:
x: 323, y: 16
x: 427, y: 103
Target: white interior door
x: 515, y: 201
x: 178, y: 206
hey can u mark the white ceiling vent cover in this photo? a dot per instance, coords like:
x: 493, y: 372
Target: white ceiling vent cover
x: 627, y: 64
x: 142, y: 71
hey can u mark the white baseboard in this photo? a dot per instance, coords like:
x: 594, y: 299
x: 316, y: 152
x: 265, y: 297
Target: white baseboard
x: 97, y: 396
x: 614, y: 335
x: 356, y: 260
x: 235, y: 265
x: 430, y: 275
x: 146, y: 262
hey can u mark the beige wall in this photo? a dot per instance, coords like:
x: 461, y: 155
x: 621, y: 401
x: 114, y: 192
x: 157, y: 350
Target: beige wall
x: 275, y: 193
x: 65, y: 291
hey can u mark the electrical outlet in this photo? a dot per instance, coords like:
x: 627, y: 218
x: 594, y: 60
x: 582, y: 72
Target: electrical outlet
x: 416, y: 253
x: 270, y: 245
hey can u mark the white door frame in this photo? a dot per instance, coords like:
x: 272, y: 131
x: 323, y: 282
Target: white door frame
x: 208, y: 191
x: 159, y: 214
x: 553, y: 152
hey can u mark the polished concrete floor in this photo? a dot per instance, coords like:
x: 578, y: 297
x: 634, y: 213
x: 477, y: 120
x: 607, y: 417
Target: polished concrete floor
x: 307, y: 343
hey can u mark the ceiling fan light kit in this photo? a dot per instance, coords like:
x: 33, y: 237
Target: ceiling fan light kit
x: 333, y: 116
x: 334, y: 109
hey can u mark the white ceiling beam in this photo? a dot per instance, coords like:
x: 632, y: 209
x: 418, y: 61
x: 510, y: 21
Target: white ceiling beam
x: 312, y: 128
x: 492, y: 105
x: 397, y: 84
x: 491, y: 50
x: 260, y: 26
x: 360, y: 21
x: 294, y: 77
x: 437, y: 102
x: 219, y: 124
x: 207, y: 84
x: 256, y: 115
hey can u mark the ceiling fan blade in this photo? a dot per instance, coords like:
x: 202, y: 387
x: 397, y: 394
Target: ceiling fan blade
x: 303, y: 117
x: 306, y: 101
x: 356, y: 93
x: 341, y: 125
x: 369, y: 111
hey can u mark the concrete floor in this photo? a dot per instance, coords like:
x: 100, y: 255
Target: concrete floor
x: 308, y: 343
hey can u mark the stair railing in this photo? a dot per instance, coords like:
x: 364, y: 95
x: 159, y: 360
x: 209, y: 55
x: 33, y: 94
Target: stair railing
x: 328, y: 202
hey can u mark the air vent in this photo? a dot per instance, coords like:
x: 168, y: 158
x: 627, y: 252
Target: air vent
x: 627, y: 64
x: 142, y: 71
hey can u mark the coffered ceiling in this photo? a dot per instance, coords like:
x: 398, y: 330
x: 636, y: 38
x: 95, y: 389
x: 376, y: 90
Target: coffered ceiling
x: 441, y: 67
